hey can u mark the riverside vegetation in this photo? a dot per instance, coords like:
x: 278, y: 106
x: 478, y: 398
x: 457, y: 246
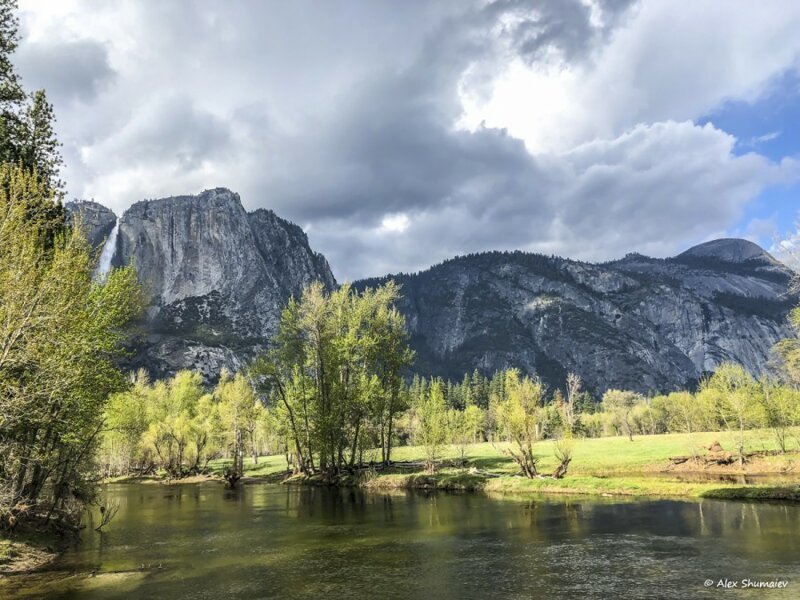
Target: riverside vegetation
x: 60, y: 330
x: 330, y: 404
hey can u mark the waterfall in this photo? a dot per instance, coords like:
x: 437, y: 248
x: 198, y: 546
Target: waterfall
x: 109, y: 249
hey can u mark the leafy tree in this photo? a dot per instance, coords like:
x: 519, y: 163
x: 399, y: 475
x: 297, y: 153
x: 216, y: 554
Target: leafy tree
x: 40, y: 148
x: 473, y: 422
x: 464, y: 426
x: 570, y: 411
x: 390, y: 356
x: 126, y: 422
x: 585, y: 404
x: 563, y: 449
x: 479, y: 390
x: 789, y: 350
x: 781, y: 409
x: 240, y: 412
x: 648, y: 417
x: 466, y: 391
x: 520, y: 414
x: 620, y: 405
x: 734, y: 394
x: 12, y: 96
x: 27, y: 135
x: 60, y: 333
x: 335, y: 374
x: 687, y: 412
x: 173, y: 424
x: 432, y: 429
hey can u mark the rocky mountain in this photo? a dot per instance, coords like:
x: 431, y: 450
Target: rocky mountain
x: 96, y: 220
x: 637, y: 323
x: 217, y: 277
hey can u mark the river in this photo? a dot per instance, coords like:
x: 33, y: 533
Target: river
x: 270, y: 541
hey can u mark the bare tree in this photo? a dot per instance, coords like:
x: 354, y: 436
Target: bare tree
x: 573, y: 390
x: 107, y: 513
x: 563, y: 450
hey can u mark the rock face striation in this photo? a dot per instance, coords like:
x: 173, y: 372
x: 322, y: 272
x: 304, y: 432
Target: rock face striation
x: 218, y: 277
x: 96, y: 220
x: 638, y: 323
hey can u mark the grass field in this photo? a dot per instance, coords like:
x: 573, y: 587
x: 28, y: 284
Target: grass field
x: 612, y: 465
x: 603, y: 456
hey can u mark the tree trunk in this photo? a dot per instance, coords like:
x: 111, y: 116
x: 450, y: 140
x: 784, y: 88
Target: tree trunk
x: 561, y: 469
x: 355, y: 443
x: 389, y: 437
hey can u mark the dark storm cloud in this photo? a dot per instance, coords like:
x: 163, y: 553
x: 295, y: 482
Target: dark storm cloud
x: 565, y: 27
x: 73, y: 70
x: 391, y: 145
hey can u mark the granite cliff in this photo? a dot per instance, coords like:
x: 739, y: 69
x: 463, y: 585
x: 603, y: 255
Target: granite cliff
x: 96, y: 220
x: 218, y: 277
x: 636, y: 323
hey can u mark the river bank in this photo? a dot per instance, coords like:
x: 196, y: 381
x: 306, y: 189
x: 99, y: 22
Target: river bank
x: 643, y: 485
x: 28, y: 552
x: 601, y: 466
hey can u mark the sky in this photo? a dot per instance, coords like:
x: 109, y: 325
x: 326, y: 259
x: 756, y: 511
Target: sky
x: 399, y: 134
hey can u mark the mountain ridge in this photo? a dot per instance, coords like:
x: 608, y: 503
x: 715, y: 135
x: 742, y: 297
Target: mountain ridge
x: 638, y: 322
x: 219, y: 277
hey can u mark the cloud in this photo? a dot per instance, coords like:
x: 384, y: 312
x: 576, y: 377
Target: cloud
x: 788, y: 249
x: 168, y: 129
x: 71, y: 71
x: 402, y: 134
x: 654, y: 190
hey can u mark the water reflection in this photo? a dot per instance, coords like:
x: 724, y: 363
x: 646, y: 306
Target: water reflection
x: 202, y: 541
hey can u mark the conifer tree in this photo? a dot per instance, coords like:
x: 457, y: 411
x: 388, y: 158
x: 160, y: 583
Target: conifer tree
x: 27, y: 121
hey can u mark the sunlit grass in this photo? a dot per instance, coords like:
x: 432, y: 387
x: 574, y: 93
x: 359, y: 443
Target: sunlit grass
x: 600, y: 456
x: 265, y: 466
x: 600, y: 466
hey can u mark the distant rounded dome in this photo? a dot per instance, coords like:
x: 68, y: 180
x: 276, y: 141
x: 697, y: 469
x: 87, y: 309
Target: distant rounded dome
x: 733, y: 250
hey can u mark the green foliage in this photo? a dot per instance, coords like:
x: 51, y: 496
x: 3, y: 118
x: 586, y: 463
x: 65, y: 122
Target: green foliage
x: 685, y: 412
x: 789, y: 350
x: 334, y: 375
x: 241, y: 413
x: 126, y: 422
x: 432, y: 431
x: 620, y: 404
x: 521, y: 416
x: 177, y: 426
x: 781, y: 410
x: 736, y: 399
x: 27, y: 136
x: 60, y: 332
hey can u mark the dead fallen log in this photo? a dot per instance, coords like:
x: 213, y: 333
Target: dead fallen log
x: 711, y: 458
x: 407, y: 465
